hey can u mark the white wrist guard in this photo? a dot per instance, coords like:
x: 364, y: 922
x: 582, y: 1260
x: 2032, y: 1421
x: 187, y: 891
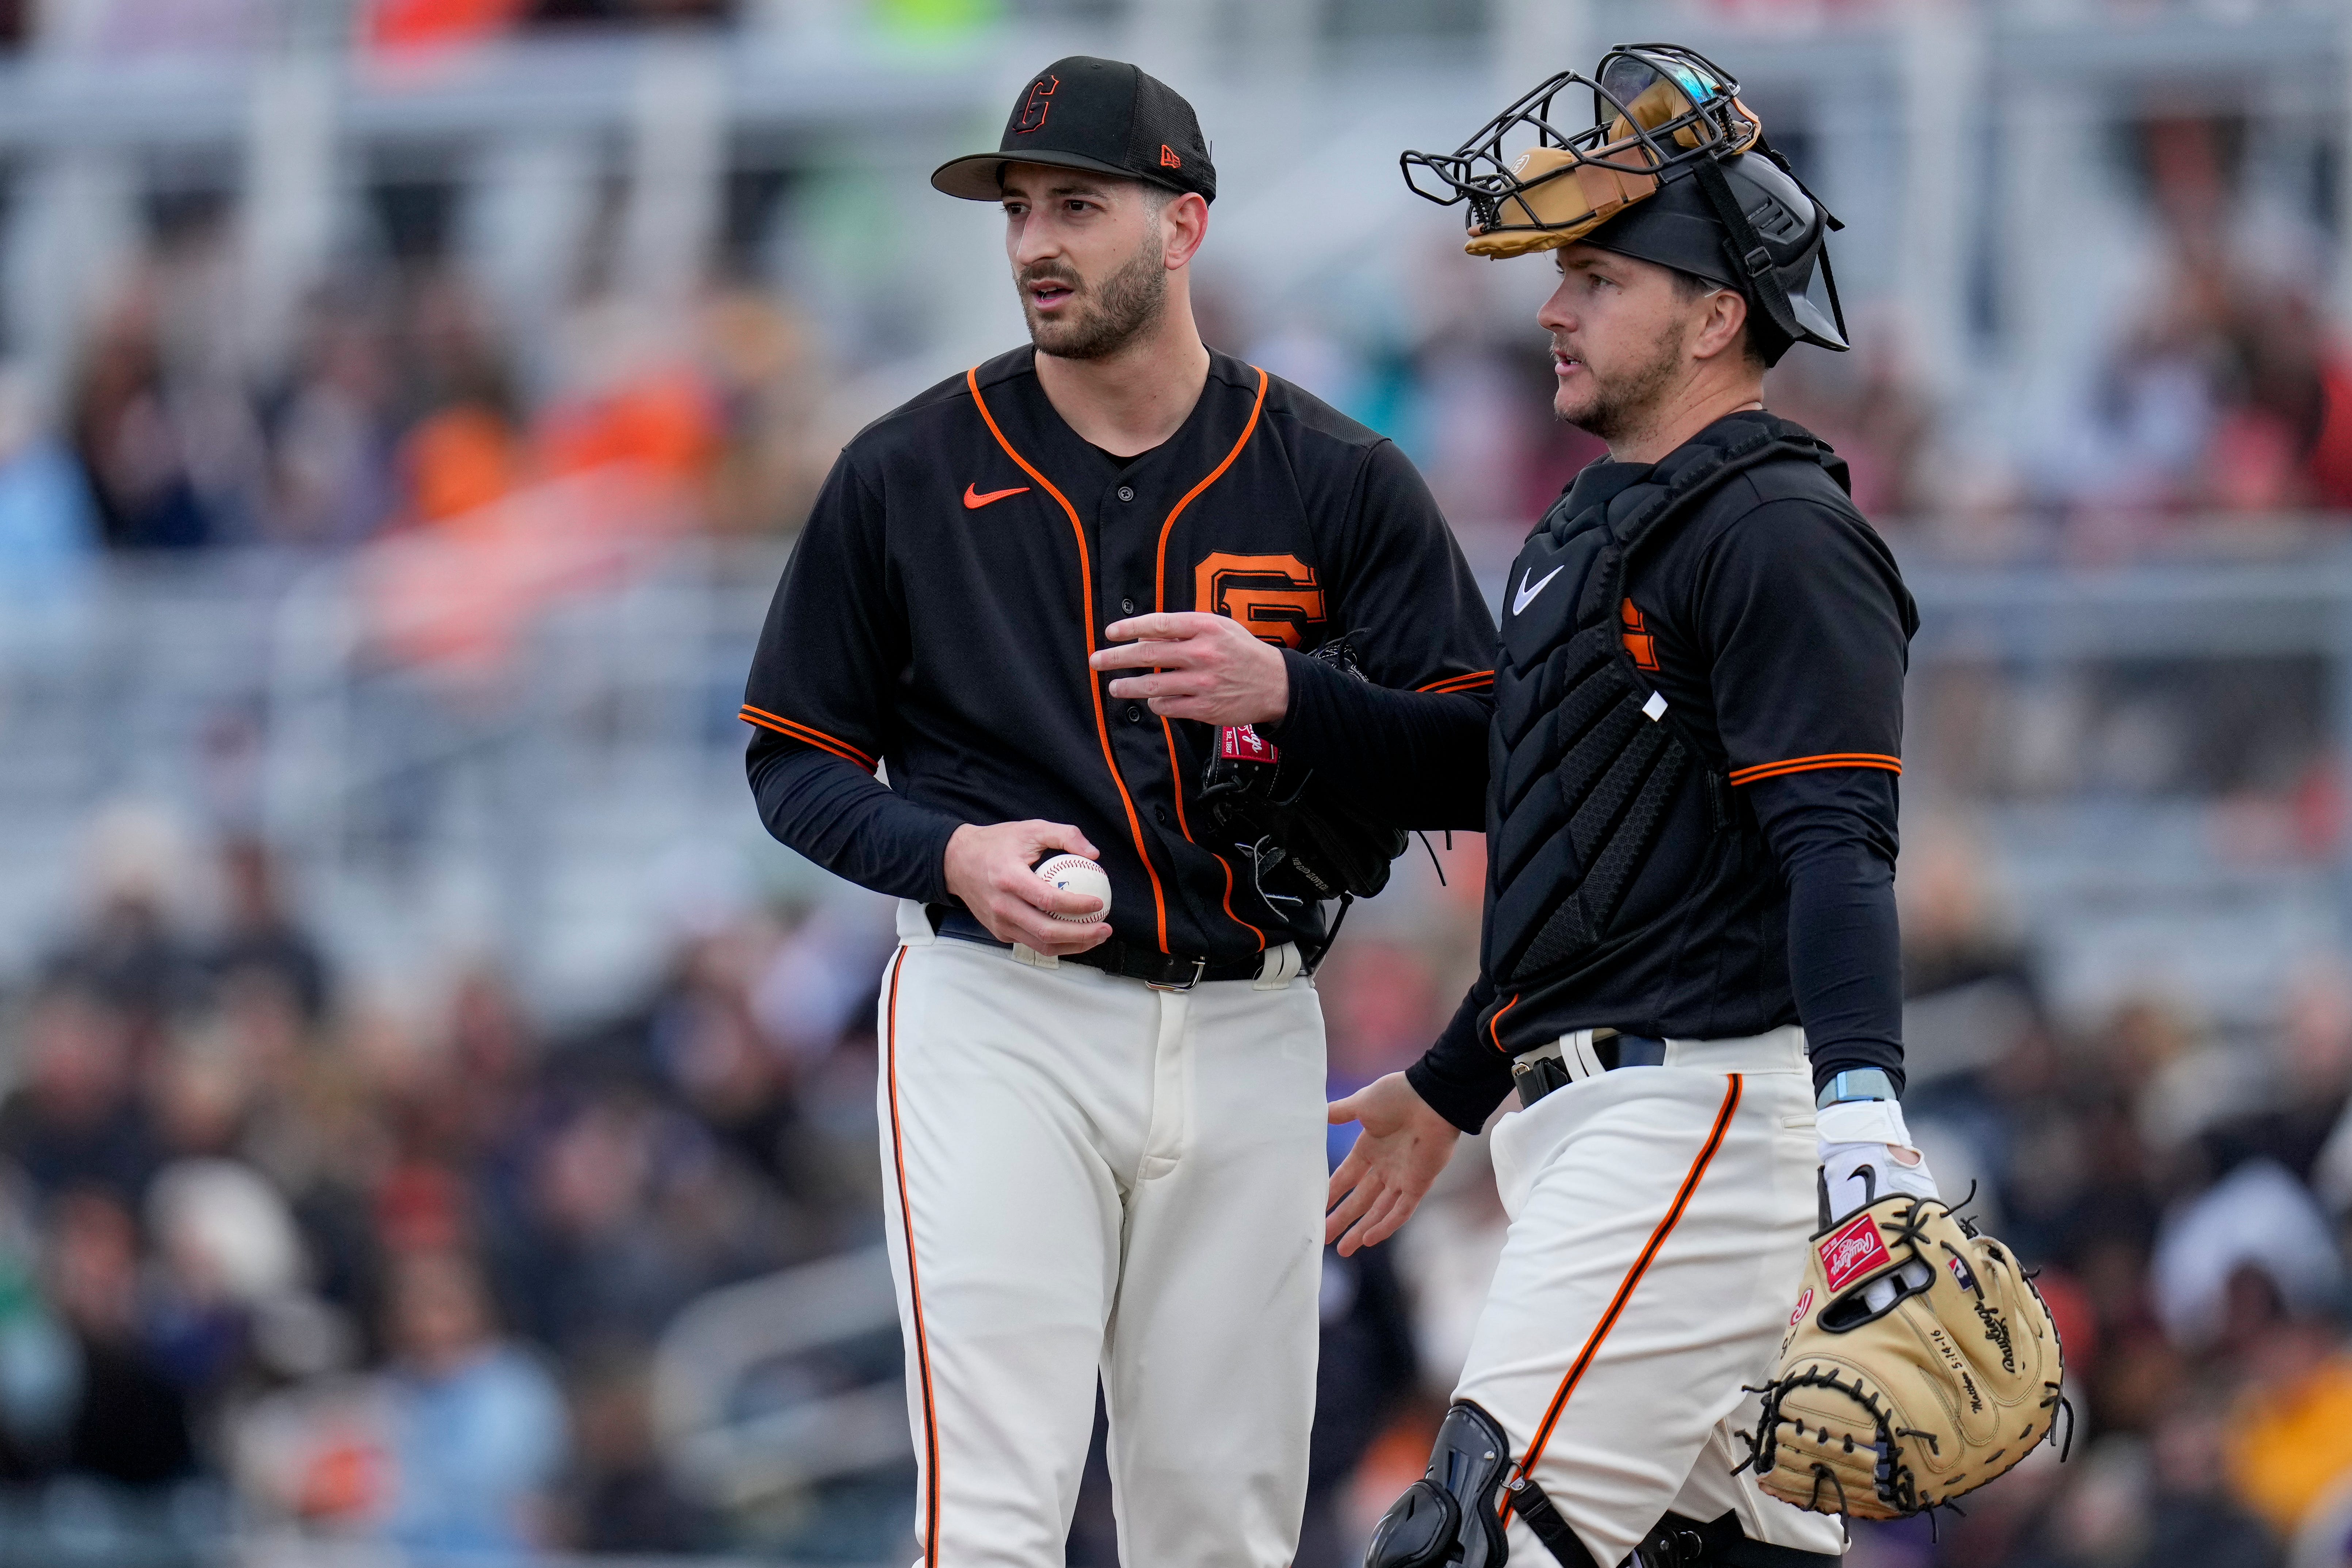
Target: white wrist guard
x: 1863, y: 1121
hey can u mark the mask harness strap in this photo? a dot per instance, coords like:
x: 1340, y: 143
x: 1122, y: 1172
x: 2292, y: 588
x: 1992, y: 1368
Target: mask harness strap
x: 1755, y: 260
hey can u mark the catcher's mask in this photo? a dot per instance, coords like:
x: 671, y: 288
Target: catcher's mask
x: 1673, y: 169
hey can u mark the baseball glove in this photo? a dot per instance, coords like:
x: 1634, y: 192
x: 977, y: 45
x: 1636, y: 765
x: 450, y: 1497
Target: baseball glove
x: 1304, y: 842
x: 1882, y: 1410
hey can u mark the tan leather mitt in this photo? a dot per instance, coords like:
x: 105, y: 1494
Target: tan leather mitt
x: 1880, y: 1412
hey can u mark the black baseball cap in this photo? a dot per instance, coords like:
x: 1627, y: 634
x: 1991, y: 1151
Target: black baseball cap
x: 1084, y: 113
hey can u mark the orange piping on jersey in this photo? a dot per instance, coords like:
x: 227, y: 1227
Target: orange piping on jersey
x: 1094, y: 681
x: 914, y: 1283
x: 1237, y: 920
x: 1811, y: 765
x: 1495, y: 1024
x: 801, y: 732
x: 1527, y: 1466
x: 1160, y: 567
x: 1160, y: 604
x: 1470, y: 682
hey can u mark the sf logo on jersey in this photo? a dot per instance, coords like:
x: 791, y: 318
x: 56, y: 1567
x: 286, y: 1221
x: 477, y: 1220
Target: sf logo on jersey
x: 1276, y: 596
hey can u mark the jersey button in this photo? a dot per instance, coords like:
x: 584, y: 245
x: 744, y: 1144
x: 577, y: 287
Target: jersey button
x: 1134, y: 714
x: 1128, y: 605
x: 1161, y: 813
x: 1127, y: 492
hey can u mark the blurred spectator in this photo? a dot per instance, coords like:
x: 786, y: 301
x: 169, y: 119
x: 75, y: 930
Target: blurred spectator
x: 50, y: 522
x: 131, y: 1421
x: 261, y: 939
x: 620, y: 1497
x: 1367, y: 1370
x: 74, y: 1120
x: 128, y: 437
x: 477, y: 1430
x: 331, y: 426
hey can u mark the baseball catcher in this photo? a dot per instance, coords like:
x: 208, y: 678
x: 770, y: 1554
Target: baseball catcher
x: 1690, y: 965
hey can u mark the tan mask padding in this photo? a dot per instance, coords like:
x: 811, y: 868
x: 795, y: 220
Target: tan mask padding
x: 1565, y: 209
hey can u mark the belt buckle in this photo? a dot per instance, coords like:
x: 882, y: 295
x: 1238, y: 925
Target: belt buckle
x: 1200, y: 967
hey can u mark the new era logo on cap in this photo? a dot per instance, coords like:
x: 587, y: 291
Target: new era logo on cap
x: 1100, y: 115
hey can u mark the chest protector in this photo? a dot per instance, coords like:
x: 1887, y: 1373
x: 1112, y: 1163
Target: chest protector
x: 1586, y: 760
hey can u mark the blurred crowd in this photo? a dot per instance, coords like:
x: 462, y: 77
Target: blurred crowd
x: 400, y: 410
x: 280, y: 1255
x: 277, y: 1256
x: 406, y: 405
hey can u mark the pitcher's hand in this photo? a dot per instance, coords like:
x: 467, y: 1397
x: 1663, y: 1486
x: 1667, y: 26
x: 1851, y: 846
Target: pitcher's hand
x: 994, y: 870
x: 1403, y: 1147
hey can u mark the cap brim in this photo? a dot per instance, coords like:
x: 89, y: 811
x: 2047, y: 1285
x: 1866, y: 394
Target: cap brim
x: 976, y: 177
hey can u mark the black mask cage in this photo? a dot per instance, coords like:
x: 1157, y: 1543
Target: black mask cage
x: 1656, y: 108
x: 1663, y: 117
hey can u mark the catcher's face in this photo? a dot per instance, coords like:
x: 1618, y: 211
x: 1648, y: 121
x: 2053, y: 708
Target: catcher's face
x: 1092, y: 255
x: 1626, y: 337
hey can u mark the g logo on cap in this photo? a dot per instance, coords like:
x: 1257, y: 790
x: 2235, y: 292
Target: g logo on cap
x: 1033, y: 113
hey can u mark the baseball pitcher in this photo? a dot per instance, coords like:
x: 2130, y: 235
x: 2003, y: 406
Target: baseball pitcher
x: 1101, y: 1113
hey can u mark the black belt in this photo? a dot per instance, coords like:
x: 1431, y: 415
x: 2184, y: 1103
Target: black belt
x: 1130, y: 960
x: 1539, y: 1075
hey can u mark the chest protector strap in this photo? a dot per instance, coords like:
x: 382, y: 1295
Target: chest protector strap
x: 1591, y: 759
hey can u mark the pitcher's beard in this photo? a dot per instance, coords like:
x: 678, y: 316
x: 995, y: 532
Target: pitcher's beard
x: 1108, y: 316
x: 1624, y: 404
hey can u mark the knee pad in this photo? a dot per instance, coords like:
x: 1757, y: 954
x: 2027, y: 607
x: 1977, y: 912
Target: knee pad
x: 1449, y: 1517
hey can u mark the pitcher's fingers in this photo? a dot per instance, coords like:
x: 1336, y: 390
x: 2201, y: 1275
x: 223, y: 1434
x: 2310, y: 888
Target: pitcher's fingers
x: 1060, y: 836
x: 1346, y: 1108
x: 1059, y: 937
x: 1061, y: 902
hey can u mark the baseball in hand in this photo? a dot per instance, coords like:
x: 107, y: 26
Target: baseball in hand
x: 1077, y: 874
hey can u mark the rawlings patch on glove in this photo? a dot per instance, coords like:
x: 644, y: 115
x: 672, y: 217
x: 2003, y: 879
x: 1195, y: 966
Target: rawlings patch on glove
x: 1878, y: 1411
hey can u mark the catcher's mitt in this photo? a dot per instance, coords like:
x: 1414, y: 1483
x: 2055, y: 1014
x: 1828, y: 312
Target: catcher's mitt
x: 1304, y: 842
x: 1880, y: 1412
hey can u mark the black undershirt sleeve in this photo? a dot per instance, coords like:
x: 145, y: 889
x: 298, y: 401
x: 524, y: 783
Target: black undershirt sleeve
x: 1462, y: 1076
x: 845, y: 820
x: 1833, y: 834
x: 1417, y: 759
x: 1407, y: 601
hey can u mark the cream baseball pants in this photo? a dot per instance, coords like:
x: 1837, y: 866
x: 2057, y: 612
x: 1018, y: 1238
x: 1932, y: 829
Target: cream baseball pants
x: 1659, y: 1217
x: 1087, y: 1177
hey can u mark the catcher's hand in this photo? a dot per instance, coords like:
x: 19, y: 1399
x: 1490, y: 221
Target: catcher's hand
x: 1879, y: 1409
x: 1866, y: 1154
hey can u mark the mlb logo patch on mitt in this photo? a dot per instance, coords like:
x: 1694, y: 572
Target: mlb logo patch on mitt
x: 1919, y: 1364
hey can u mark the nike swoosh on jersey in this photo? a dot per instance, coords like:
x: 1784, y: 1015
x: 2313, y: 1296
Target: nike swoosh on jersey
x: 1526, y: 596
x: 974, y: 501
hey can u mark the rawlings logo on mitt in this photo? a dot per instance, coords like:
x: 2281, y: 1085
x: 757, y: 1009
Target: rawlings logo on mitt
x: 1900, y: 1398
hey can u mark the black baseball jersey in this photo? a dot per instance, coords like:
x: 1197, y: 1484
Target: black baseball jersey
x: 1773, y: 626
x: 963, y: 560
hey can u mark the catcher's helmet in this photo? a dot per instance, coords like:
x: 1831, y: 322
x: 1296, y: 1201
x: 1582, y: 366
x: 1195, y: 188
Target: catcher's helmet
x: 1673, y: 169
